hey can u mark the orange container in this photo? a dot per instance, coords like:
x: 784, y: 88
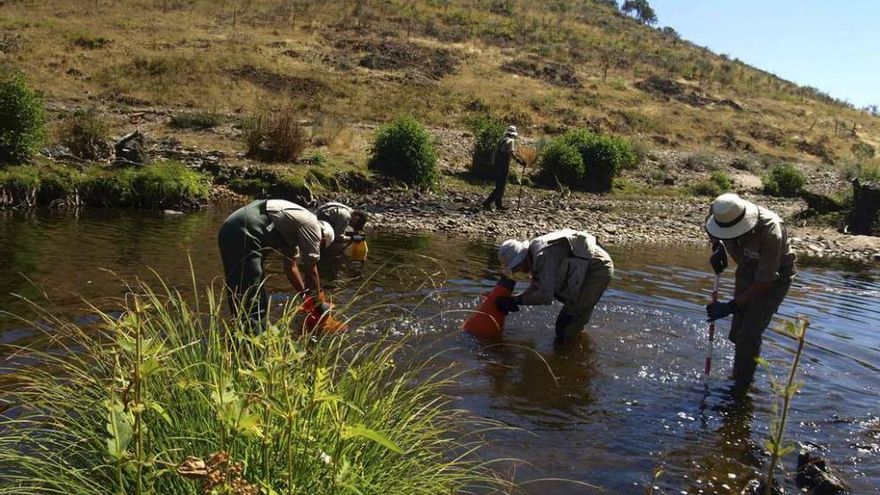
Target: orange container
x: 323, y: 323
x: 487, y: 322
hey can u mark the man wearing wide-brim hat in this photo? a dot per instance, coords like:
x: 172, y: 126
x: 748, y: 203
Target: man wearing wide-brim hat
x: 756, y: 238
x: 504, y: 152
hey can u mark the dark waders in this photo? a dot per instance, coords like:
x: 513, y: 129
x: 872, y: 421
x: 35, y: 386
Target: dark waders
x: 501, y: 172
x: 748, y: 325
x: 241, y: 240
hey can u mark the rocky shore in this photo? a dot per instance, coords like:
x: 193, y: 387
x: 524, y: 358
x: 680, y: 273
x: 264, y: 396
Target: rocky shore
x: 614, y: 220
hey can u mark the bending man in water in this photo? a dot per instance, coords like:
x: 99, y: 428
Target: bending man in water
x: 757, y: 240
x: 566, y: 265
x: 251, y: 232
x: 345, y: 220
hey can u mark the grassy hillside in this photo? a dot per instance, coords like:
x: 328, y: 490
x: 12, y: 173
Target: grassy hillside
x: 544, y: 66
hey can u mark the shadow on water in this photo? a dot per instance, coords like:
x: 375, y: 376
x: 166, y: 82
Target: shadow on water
x: 628, y: 397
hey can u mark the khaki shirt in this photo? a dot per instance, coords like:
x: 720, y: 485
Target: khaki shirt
x: 546, y: 262
x: 337, y: 215
x: 765, y: 250
x: 298, y: 228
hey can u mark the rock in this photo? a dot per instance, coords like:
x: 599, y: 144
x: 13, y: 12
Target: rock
x: 172, y: 212
x: 131, y: 150
x: 815, y: 477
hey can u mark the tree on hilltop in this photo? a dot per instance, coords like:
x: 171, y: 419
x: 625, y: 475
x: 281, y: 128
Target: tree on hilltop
x: 641, y: 10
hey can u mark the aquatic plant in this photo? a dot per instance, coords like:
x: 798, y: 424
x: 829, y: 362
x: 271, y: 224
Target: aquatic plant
x: 168, y: 396
x: 784, y: 392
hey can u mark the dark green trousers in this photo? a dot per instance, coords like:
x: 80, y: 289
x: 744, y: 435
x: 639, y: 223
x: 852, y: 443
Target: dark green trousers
x: 242, y: 250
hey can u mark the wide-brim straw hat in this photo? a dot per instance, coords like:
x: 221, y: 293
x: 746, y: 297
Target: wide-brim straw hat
x: 731, y: 217
x: 512, y: 252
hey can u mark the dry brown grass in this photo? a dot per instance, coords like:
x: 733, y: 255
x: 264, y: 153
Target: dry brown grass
x: 201, y: 54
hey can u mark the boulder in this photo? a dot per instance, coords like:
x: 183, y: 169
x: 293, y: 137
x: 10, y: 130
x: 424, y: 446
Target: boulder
x: 131, y: 150
x: 814, y: 476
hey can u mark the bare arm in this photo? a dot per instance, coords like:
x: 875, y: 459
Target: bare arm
x: 313, y: 280
x: 293, y: 275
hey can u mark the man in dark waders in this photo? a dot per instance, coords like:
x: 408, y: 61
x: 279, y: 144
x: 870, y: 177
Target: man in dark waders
x: 250, y: 233
x: 566, y: 265
x: 757, y: 240
x: 504, y: 152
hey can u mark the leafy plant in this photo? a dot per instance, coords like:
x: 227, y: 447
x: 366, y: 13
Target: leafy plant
x: 403, y: 149
x: 166, y: 395
x: 22, y: 119
x: 86, y: 134
x: 562, y: 161
x: 784, y: 392
x: 784, y: 180
x: 604, y: 157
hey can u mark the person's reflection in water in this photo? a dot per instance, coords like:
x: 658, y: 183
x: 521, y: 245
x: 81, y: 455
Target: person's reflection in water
x: 547, y: 387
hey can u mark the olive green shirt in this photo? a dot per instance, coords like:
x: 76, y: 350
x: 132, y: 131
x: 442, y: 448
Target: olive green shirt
x: 765, y: 250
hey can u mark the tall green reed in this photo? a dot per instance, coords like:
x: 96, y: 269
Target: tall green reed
x: 168, y: 396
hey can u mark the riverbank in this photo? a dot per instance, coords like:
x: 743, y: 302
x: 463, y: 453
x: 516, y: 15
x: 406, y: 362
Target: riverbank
x: 665, y: 220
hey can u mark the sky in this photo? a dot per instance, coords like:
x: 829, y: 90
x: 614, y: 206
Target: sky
x: 833, y: 46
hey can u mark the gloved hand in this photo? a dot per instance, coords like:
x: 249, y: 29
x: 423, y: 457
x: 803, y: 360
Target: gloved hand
x: 718, y: 309
x: 507, y: 304
x: 718, y: 260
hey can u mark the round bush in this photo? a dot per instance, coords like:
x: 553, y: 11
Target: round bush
x: 563, y: 161
x: 403, y: 149
x: 784, y: 180
x: 487, y: 132
x: 22, y: 119
x: 603, y: 158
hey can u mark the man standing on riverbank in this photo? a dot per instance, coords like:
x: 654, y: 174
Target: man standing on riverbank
x: 342, y: 218
x: 756, y: 238
x: 504, y: 152
x: 251, y: 232
x: 566, y: 265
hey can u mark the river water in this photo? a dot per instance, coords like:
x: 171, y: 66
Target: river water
x: 628, y: 398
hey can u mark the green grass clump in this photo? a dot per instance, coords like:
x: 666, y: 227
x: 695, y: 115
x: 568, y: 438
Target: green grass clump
x: 86, y: 134
x: 784, y: 180
x: 166, y: 184
x: 22, y: 119
x: 487, y: 132
x: 403, y: 149
x: 168, y: 396
x: 719, y: 182
x: 602, y: 158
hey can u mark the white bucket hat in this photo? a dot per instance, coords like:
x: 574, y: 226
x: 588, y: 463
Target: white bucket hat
x: 511, y: 131
x: 327, y: 234
x: 731, y: 216
x: 512, y: 252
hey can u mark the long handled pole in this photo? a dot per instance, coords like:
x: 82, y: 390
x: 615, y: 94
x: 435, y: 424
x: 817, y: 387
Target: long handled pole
x: 708, y: 368
x: 519, y: 194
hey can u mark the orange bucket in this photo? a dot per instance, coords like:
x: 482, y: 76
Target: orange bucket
x: 487, y: 322
x: 324, y: 323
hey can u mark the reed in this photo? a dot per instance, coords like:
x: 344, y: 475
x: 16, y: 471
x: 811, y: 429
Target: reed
x: 168, y: 396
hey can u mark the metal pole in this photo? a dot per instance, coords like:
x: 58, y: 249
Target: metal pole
x: 708, y: 368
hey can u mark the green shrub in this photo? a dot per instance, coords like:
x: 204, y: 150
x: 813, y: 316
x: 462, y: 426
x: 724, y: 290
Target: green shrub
x: 200, y: 121
x: 86, y: 134
x: 722, y: 180
x: 487, y: 132
x: 784, y: 180
x: 562, y: 161
x: 168, y: 378
x: 275, y: 137
x: 604, y: 157
x: 22, y: 119
x: 403, y: 149
x: 719, y: 182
